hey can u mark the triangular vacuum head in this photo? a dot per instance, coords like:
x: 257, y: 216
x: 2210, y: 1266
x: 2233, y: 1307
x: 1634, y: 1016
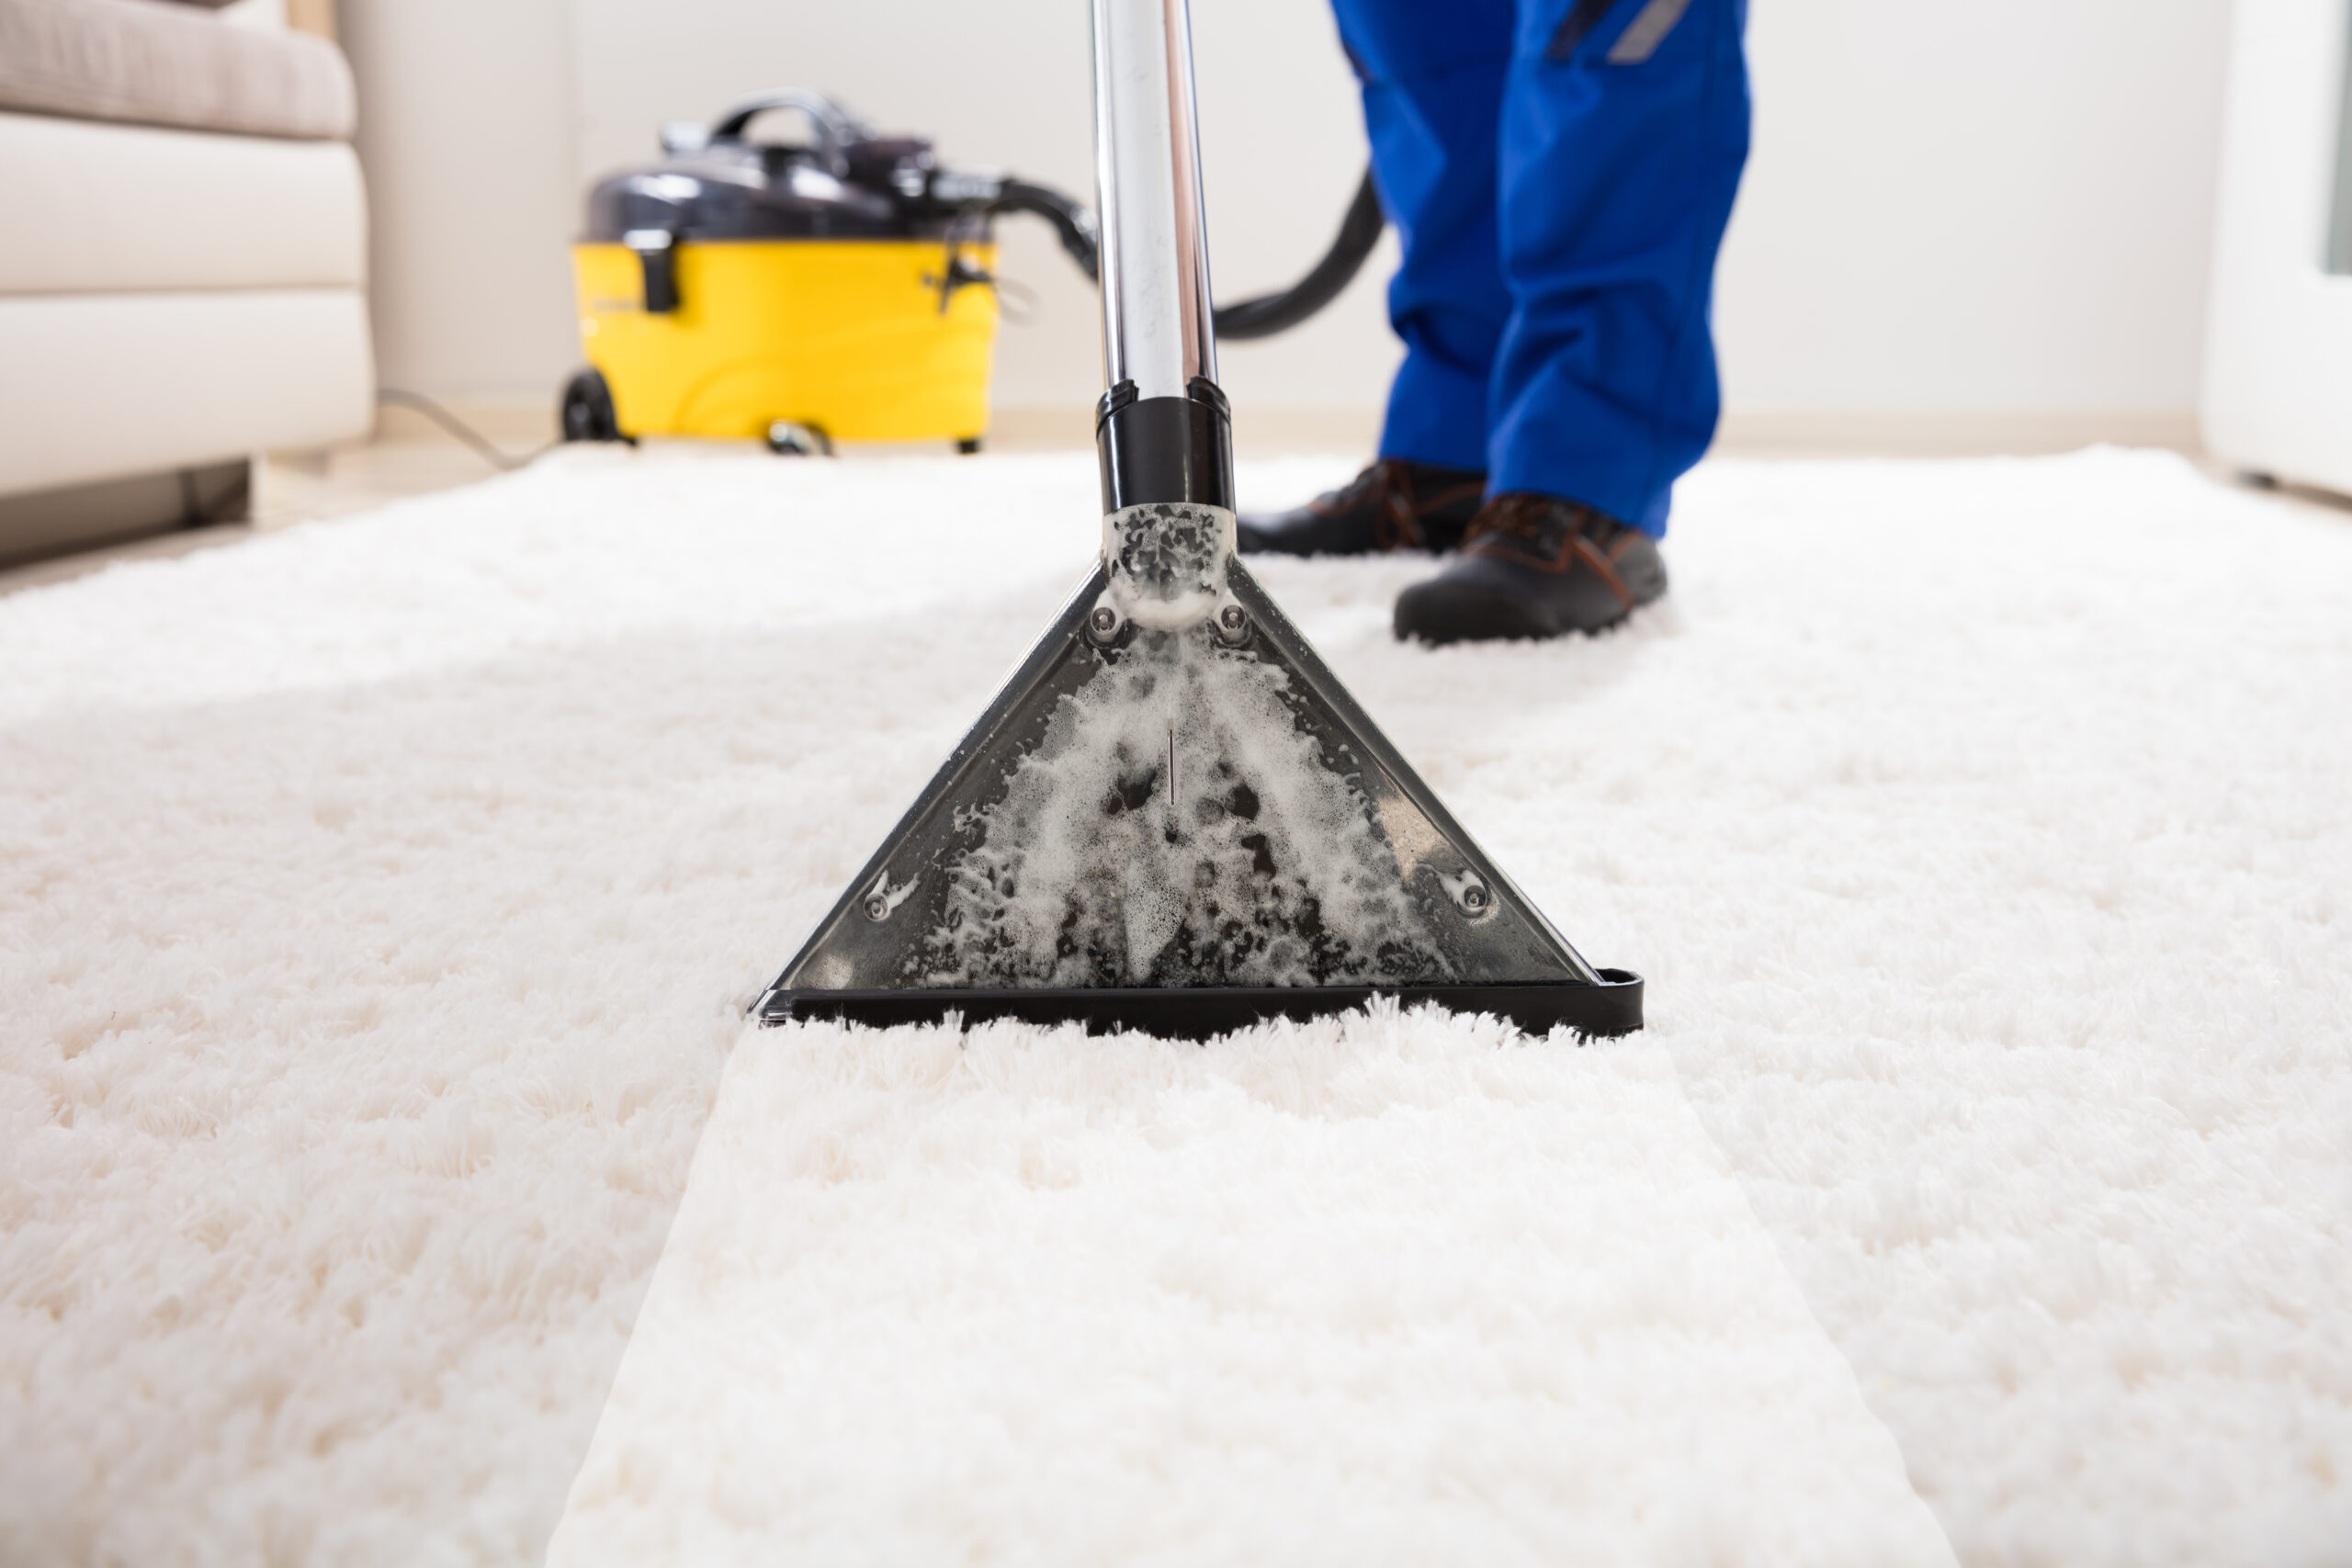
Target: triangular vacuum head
x: 1181, y: 828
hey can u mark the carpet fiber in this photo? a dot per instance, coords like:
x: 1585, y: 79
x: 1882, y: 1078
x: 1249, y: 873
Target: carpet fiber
x: 378, y: 901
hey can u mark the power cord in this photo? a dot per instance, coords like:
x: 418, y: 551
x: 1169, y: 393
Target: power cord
x: 398, y: 397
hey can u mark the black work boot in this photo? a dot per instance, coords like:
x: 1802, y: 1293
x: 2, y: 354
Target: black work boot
x: 1396, y: 504
x: 1534, y: 566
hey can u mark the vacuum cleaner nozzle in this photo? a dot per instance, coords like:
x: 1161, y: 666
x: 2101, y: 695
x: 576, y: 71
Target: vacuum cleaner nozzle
x: 1173, y: 818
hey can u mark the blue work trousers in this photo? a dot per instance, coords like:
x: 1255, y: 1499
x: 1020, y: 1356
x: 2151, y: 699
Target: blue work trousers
x: 1559, y: 173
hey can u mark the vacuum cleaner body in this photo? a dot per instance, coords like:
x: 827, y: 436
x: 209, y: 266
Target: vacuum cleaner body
x: 840, y: 286
x: 847, y: 337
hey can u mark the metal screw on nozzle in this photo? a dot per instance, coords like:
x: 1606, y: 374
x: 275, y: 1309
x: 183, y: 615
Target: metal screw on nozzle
x: 1106, y: 620
x: 1474, y: 898
x: 1232, y: 619
x: 877, y: 908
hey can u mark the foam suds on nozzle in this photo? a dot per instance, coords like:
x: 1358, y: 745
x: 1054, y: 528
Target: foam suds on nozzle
x: 1166, y: 562
x: 1176, y: 826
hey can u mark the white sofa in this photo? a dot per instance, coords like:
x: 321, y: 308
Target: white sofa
x: 183, y: 237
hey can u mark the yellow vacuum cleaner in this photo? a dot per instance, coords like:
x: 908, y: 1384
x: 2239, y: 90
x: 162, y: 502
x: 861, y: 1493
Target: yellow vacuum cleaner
x: 803, y: 293
x: 840, y: 288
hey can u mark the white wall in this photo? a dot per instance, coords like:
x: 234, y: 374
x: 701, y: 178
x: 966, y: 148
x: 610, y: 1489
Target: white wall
x: 2001, y: 206
x: 1996, y: 206
x: 468, y: 137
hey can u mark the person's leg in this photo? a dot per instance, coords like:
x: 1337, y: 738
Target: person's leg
x: 1623, y: 130
x: 1433, y: 78
x: 1433, y: 81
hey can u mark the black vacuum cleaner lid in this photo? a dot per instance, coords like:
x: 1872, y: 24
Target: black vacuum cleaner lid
x: 736, y: 189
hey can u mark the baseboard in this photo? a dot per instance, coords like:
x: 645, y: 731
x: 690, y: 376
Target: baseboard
x: 1263, y: 432
x: 1257, y: 431
x: 1273, y: 431
x: 1774, y: 434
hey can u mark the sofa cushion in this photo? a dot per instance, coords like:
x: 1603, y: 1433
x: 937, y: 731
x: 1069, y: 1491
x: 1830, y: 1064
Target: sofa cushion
x: 100, y: 208
x: 101, y: 385
x: 157, y: 63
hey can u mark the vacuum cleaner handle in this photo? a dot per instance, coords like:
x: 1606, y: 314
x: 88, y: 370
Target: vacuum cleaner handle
x: 1163, y: 429
x: 836, y: 128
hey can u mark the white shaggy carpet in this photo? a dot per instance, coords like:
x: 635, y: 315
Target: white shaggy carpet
x: 378, y: 901
x: 1383, y: 1290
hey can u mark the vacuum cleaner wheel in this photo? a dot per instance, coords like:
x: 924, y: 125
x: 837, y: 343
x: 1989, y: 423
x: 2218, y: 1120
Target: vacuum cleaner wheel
x: 587, y: 408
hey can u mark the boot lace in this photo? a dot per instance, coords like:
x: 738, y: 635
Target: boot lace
x: 1570, y: 534
x: 1519, y: 514
x: 1386, y: 488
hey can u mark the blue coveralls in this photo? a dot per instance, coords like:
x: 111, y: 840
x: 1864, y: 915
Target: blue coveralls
x: 1560, y: 173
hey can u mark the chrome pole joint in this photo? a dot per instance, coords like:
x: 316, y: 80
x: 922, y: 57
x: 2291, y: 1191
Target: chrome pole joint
x: 1163, y: 428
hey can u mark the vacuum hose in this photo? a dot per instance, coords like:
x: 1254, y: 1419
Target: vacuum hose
x: 1073, y: 225
x: 1270, y: 313
x: 1262, y: 316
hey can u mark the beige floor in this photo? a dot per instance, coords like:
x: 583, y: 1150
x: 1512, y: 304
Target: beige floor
x: 410, y: 456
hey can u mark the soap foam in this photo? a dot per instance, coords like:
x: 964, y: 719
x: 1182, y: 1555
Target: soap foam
x: 1177, y: 826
